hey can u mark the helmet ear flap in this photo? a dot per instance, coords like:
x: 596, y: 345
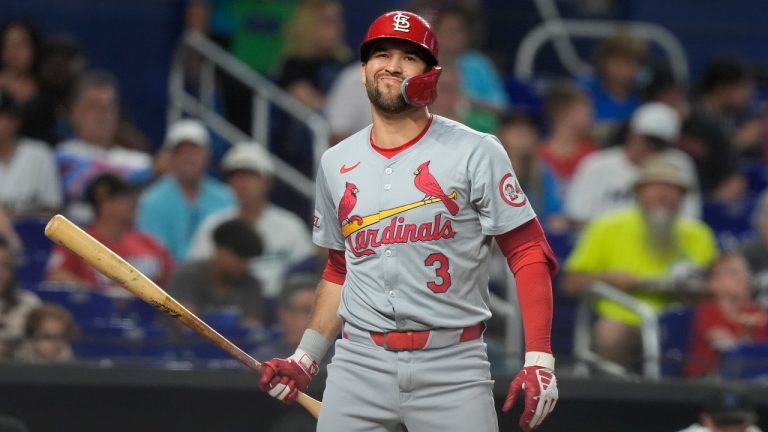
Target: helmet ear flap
x: 421, y: 90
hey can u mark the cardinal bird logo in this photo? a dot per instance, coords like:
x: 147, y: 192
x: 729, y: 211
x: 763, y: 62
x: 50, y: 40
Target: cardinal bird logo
x: 426, y: 183
x: 347, y: 203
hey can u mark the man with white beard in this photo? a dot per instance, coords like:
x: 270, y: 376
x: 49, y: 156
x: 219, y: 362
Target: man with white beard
x: 637, y: 250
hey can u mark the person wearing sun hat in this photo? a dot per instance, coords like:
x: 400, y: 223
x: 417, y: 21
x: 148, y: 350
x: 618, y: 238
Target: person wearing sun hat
x: 636, y: 248
x: 248, y: 169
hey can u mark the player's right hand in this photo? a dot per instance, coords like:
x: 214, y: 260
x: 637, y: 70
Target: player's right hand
x: 283, y: 379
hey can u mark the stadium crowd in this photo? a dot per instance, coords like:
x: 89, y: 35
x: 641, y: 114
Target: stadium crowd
x: 658, y: 182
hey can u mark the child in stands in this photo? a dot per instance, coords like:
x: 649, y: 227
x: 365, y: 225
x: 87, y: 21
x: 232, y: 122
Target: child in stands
x: 729, y: 317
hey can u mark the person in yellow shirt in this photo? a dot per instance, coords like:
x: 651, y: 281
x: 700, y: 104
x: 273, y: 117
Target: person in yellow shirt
x: 634, y: 250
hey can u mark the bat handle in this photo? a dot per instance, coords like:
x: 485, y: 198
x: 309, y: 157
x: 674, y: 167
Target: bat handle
x: 310, y: 404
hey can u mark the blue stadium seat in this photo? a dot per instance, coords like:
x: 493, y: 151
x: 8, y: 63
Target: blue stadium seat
x: 89, y: 308
x: 98, y: 349
x: 37, y: 248
x: 676, y: 325
x: 732, y: 222
x: 564, y: 306
x: 745, y: 361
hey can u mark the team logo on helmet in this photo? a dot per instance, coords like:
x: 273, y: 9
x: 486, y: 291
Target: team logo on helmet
x: 401, y: 22
x: 511, y: 192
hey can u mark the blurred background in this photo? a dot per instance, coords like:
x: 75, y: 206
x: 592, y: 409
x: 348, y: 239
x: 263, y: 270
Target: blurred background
x: 185, y: 135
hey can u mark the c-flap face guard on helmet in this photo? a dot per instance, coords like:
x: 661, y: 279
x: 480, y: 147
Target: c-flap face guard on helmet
x: 421, y: 90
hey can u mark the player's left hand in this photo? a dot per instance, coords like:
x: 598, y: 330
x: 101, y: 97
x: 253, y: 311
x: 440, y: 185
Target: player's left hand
x: 538, y: 384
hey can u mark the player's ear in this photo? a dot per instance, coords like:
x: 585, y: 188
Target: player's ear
x: 362, y: 72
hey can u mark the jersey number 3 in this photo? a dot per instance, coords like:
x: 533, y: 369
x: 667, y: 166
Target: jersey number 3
x: 441, y: 271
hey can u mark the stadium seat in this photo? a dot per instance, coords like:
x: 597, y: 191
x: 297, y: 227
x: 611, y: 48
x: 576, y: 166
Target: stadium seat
x: 731, y: 222
x: 745, y: 361
x: 31, y: 267
x: 99, y: 349
x: 675, y: 325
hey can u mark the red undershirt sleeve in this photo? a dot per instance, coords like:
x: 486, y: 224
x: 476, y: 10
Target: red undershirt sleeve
x: 533, y: 263
x: 336, y: 267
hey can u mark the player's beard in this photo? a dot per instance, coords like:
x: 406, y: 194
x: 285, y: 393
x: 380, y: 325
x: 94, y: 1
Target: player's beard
x: 387, y: 104
x: 660, y: 226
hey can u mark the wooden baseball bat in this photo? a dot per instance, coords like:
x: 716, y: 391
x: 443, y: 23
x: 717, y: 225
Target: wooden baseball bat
x: 62, y: 231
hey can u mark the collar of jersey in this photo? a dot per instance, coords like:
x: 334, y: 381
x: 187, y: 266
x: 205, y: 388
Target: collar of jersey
x: 390, y: 153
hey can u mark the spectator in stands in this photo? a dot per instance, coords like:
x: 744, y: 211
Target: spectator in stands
x: 15, y: 303
x: 94, y: 115
x: 728, y: 318
x: 8, y: 232
x: 519, y: 137
x: 729, y: 410
x: 222, y: 283
x: 612, y: 88
x: 248, y: 169
x: 453, y: 102
x: 635, y: 250
x: 726, y: 92
x: 347, y: 107
x: 293, y: 309
x: 62, y: 64
x: 48, y: 331
x: 702, y: 137
x: 314, y: 51
x: 313, y: 55
x: 173, y: 207
x: 603, y: 181
x: 756, y: 249
x: 114, y: 203
x: 20, y: 56
x: 569, y: 122
x: 29, y: 180
x: 479, y: 78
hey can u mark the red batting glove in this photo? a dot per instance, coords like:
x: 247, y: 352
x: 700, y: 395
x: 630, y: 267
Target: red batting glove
x: 538, y: 384
x: 283, y: 379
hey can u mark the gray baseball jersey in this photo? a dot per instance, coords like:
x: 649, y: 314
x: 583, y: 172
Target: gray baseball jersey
x: 416, y: 228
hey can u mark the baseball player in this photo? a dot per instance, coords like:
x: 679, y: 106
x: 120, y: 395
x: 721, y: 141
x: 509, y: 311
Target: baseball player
x: 407, y: 209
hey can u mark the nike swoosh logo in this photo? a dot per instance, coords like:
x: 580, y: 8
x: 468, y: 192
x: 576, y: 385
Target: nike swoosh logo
x: 345, y: 169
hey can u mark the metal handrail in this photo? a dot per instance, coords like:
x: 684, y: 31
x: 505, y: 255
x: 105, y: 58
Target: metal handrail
x: 649, y: 333
x: 556, y: 29
x: 264, y: 93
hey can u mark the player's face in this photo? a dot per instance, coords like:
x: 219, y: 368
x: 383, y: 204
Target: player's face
x: 390, y: 63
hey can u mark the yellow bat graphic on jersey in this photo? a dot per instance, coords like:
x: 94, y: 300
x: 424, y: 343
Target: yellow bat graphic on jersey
x: 350, y: 228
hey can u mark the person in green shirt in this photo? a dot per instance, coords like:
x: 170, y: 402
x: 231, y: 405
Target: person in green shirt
x: 635, y: 250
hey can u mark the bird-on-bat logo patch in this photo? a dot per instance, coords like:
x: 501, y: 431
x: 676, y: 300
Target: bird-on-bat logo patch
x: 511, y: 192
x: 398, y: 230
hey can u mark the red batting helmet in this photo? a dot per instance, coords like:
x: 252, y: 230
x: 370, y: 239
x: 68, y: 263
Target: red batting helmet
x: 419, y: 90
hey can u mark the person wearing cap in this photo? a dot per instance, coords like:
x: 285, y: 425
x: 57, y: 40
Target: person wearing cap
x: 175, y: 205
x: 222, y: 283
x: 727, y: 410
x: 94, y: 114
x: 603, y: 181
x: 248, y: 169
x: 634, y: 250
x: 29, y: 180
x: 114, y: 207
